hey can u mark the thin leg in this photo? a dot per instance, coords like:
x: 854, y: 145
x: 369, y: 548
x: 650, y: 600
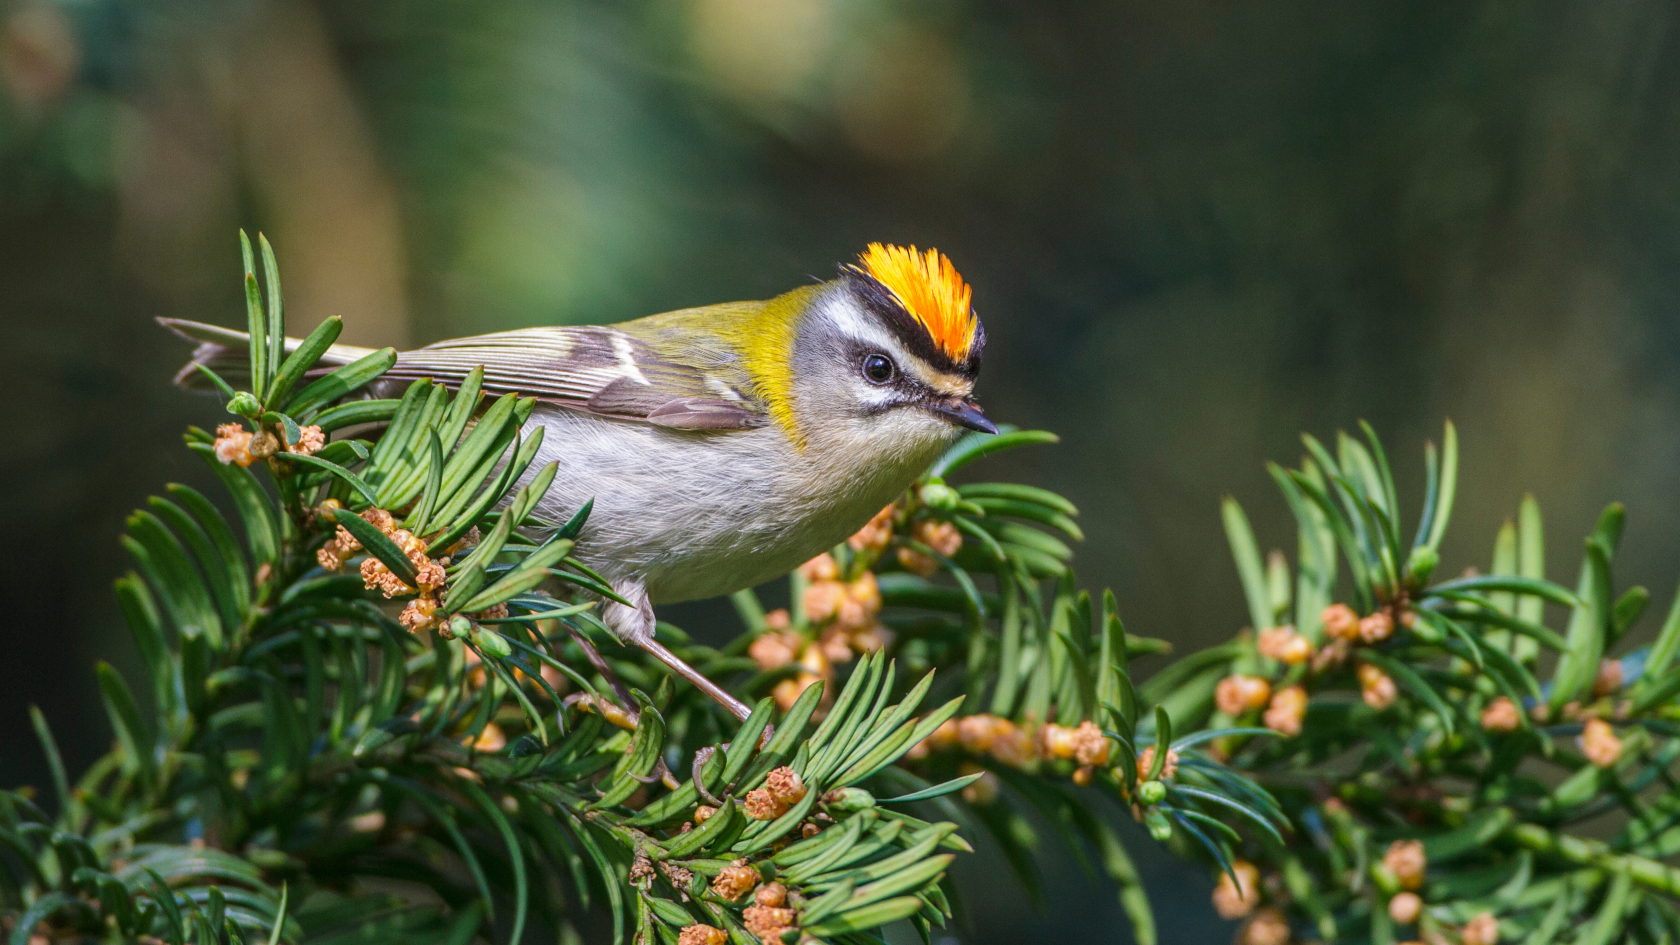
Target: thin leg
x: 691, y: 674
x: 635, y: 625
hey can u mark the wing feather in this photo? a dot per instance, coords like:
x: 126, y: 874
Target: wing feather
x: 597, y: 369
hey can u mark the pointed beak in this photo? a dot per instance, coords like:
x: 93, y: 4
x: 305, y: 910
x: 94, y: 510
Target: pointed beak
x: 963, y: 413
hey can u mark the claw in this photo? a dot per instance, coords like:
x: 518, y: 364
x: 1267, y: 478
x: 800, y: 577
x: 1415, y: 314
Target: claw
x: 700, y: 758
x: 622, y: 718
x: 659, y: 773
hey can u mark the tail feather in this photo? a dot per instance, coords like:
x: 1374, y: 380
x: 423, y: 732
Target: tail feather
x: 223, y: 350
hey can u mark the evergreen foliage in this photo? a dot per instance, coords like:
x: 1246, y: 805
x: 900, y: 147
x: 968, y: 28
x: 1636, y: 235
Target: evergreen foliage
x: 448, y: 746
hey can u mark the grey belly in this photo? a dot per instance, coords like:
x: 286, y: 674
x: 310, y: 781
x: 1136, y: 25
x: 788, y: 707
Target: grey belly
x: 694, y: 514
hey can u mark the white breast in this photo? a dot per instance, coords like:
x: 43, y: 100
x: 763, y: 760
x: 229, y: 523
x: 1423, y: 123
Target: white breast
x: 696, y: 514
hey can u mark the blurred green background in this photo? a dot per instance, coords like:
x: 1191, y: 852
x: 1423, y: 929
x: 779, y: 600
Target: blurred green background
x: 1193, y: 229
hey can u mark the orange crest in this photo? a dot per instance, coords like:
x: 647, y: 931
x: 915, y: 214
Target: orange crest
x: 928, y: 287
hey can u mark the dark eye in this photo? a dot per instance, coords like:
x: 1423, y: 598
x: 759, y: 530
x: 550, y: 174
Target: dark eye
x: 878, y: 368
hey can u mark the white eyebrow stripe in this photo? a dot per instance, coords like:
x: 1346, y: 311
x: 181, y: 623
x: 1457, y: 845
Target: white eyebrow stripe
x: 863, y: 328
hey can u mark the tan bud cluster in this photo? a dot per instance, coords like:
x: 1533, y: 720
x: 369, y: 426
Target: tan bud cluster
x: 332, y: 555
x: 782, y: 789
x: 873, y: 537
x: 1608, y: 682
x: 848, y: 608
x: 1268, y: 927
x: 310, y: 441
x: 375, y: 575
x: 814, y: 667
x: 233, y: 445
x: 734, y: 880
x: 942, y: 537
x: 702, y: 935
x: 771, y: 894
x: 1482, y: 930
x: 703, y: 813
x: 821, y: 569
x: 1146, y: 760
x: 1340, y: 622
x: 1013, y: 745
x: 785, y: 785
x: 1238, y: 694
x: 1003, y: 739
x: 1056, y: 741
x: 1330, y: 656
x: 862, y: 601
x: 1405, y: 908
x: 977, y: 732
x: 1234, y: 900
x: 1405, y: 859
x: 429, y: 576
x: 823, y: 600
x: 1376, y: 627
x: 1288, y: 707
x: 759, y: 805
x: 871, y: 639
x: 767, y: 922
x: 419, y: 615
x: 772, y: 651
x: 1501, y: 715
x: 836, y: 644
x: 1599, y: 743
x: 1285, y: 645
x: 1085, y: 744
x: 1376, y: 688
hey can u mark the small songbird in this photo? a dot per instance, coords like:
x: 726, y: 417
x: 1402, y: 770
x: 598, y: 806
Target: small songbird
x: 725, y: 445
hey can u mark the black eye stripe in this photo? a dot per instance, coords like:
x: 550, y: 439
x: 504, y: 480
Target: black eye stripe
x: 885, y: 307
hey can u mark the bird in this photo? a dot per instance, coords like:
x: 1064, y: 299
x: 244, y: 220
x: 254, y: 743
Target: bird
x: 724, y: 445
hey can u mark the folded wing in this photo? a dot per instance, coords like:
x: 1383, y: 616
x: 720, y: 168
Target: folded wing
x: 596, y: 369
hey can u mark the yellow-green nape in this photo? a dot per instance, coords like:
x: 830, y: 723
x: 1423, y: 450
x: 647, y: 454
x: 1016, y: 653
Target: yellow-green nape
x: 929, y: 288
x: 765, y: 344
